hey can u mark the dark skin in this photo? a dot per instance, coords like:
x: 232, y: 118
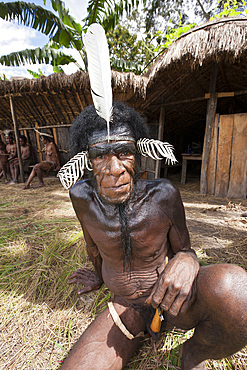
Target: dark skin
x: 3, y: 161
x: 12, y: 151
x: 26, y: 155
x: 157, y: 229
x: 51, y: 163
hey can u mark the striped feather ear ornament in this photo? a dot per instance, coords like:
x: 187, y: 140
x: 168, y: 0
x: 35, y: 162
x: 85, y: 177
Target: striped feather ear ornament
x: 156, y: 149
x: 73, y: 170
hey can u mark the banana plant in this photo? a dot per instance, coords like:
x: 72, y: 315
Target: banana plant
x: 61, y: 28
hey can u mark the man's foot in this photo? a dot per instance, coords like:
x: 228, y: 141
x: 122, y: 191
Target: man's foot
x: 26, y: 187
x: 39, y: 185
x: 13, y: 182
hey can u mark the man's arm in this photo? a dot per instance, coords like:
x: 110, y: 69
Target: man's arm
x: 174, y: 291
x: 92, y: 280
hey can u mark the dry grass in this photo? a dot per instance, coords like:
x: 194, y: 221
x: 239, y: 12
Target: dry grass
x: 41, y: 245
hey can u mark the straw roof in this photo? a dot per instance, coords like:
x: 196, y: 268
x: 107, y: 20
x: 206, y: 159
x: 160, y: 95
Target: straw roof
x: 179, y: 80
x: 59, y: 98
x: 181, y: 75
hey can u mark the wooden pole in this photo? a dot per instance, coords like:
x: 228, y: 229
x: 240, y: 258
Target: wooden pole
x: 38, y: 144
x: 160, y: 136
x: 210, y: 118
x: 18, y: 147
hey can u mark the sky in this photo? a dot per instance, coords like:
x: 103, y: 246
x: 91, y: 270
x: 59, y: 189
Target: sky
x: 14, y: 37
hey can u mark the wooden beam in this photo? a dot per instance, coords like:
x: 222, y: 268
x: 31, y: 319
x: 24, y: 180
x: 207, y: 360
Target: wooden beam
x: 38, y: 143
x: 160, y: 136
x: 18, y: 147
x: 210, y: 119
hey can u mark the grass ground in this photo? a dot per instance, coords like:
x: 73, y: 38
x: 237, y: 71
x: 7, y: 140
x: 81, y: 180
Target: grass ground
x: 42, y: 244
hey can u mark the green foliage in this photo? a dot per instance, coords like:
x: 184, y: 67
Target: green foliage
x: 36, y: 74
x: 230, y: 8
x: 34, y: 56
x: 127, y: 53
x: 62, y: 29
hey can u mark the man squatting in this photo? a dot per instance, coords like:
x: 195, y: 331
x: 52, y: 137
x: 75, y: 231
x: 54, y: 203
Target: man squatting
x: 130, y: 226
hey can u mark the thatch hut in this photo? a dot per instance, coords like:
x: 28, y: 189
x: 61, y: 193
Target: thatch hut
x: 50, y: 104
x: 196, y: 91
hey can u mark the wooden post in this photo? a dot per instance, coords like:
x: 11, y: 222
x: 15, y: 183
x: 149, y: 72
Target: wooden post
x: 160, y: 136
x: 210, y: 119
x: 18, y: 147
x: 38, y: 143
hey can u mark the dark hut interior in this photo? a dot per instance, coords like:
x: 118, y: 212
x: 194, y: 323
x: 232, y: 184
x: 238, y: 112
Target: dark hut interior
x: 202, y: 75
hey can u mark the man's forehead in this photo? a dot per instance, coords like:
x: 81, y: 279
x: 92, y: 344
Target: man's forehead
x: 111, y: 147
x: 119, y: 133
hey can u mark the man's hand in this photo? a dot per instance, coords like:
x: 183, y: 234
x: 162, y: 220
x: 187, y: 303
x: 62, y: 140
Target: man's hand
x: 173, y: 290
x: 86, y: 277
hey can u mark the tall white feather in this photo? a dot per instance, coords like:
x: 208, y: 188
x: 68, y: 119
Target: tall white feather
x: 99, y: 70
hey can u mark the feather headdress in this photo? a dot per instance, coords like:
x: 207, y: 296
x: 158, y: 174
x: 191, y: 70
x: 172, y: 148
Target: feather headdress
x: 100, y: 80
x: 99, y: 70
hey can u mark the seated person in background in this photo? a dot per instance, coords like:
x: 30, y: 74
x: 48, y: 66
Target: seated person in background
x: 3, y: 161
x: 12, y: 151
x: 51, y: 162
x: 27, y: 159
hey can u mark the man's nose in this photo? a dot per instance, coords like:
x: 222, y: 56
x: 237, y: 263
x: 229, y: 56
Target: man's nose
x: 115, y: 166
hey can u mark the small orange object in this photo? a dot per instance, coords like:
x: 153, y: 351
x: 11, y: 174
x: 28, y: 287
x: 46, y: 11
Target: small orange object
x: 156, y: 322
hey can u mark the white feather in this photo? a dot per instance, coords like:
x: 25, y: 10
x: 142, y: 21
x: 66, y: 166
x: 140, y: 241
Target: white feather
x: 99, y: 70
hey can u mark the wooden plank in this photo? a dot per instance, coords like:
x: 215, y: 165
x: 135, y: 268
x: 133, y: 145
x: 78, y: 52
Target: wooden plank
x: 238, y: 173
x: 224, y: 155
x: 210, y: 118
x: 212, y: 159
x: 160, y: 137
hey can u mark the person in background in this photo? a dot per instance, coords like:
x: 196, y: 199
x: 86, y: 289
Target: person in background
x: 3, y: 161
x: 27, y: 159
x: 12, y: 152
x: 51, y: 162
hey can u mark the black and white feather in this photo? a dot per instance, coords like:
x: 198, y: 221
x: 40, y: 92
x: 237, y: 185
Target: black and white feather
x: 99, y: 71
x: 73, y: 170
x: 156, y: 149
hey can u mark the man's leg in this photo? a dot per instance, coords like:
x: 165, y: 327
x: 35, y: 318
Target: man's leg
x: 222, y: 307
x: 103, y: 346
x: 30, y: 178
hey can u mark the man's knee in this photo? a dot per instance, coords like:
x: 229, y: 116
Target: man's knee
x: 222, y: 294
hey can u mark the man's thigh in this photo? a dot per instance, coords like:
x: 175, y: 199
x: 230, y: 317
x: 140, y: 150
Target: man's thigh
x: 103, y: 345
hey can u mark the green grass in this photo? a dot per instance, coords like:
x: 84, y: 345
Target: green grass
x: 41, y: 244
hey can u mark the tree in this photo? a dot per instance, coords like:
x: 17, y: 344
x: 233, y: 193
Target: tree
x: 161, y: 12
x: 62, y: 29
x: 127, y: 52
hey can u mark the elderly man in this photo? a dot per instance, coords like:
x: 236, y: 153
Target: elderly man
x: 130, y: 227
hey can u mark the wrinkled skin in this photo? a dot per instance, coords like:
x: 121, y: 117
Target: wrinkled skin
x: 191, y: 298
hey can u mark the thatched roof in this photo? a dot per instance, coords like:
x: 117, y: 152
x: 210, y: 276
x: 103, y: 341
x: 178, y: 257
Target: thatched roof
x: 181, y: 75
x: 59, y: 98
x: 180, y: 78
x: 221, y: 40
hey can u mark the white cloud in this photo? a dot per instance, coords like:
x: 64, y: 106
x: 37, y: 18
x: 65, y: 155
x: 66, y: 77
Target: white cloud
x: 78, y: 9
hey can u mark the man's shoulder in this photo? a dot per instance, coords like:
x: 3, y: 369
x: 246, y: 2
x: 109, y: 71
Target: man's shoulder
x: 159, y: 185
x: 81, y: 190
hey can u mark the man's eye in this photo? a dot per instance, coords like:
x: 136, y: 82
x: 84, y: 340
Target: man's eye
x: 100, y: 156
x: 124, y: 154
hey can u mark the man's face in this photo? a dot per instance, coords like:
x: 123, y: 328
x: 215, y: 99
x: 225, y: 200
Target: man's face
x: 114, y: 168
x: 22, y: 142
x: 9, y: 139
